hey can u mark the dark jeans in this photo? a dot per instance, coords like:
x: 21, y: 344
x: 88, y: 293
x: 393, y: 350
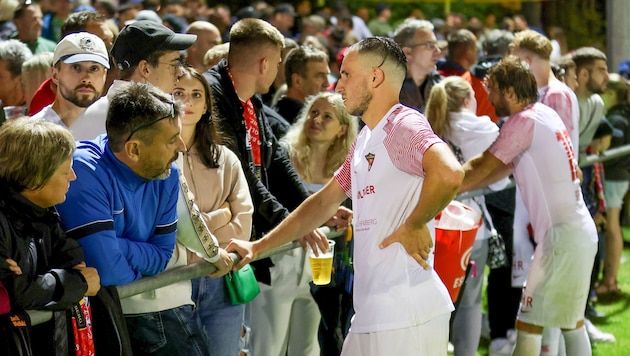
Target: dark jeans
x: 170, y: 332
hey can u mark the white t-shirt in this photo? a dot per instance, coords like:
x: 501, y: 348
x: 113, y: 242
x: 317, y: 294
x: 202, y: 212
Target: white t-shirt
x: 383, y: 175
x: 591, y: 114
x: 84, y: 127
x: 91, y: 122
x: 536, y: 144
x: 48, y: 114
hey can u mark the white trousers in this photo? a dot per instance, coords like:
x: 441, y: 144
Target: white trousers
x: 284, y: 316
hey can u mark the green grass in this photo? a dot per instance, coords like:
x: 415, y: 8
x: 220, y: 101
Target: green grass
x: 617, y: 321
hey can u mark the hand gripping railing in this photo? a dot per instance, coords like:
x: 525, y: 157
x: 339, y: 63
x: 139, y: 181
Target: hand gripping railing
x: 199, y: 269
x: 181, y: 273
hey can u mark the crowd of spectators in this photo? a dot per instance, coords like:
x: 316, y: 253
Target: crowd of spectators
x: 253, y: 129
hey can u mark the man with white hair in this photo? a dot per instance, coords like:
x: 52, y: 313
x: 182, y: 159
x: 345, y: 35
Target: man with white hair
x: 418, y: 42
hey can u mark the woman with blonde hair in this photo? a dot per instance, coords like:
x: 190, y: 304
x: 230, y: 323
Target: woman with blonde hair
x: 320, y: 139
x: 318, y: 143
x: 451, y: 111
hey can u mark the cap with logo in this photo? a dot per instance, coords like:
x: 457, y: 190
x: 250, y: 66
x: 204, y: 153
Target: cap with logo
x: 81, y: 47
x: 138, y: 40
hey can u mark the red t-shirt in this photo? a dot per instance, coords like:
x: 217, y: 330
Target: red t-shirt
x: 43, y: 96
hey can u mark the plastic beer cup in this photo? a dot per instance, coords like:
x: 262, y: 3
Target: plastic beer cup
x: 321, y: 265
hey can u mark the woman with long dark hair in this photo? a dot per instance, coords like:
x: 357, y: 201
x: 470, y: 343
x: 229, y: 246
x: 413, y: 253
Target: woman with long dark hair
x: 215, y: 178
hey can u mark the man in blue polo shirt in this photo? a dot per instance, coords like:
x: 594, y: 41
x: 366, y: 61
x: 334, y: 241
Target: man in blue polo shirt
x: 123, y: 211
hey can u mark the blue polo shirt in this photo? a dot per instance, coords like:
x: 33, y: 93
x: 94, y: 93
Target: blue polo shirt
x: 125, y: 223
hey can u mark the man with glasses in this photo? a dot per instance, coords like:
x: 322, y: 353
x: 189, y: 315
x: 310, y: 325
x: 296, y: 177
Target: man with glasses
x: 123, y: 211
x: 144, y: 52
x: 80, y: 65
x: 418, y: 42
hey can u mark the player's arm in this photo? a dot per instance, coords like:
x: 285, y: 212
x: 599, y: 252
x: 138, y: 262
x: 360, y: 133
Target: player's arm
x: 310, y: 215
x: 483, y: 170
x: 442, y: 178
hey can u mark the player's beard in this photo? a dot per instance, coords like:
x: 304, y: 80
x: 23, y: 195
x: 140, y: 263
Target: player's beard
x: 502, y: 108
x: 361, y: 107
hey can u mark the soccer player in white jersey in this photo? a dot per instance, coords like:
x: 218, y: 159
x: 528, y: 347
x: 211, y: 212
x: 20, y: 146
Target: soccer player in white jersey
x: 534, y: 145
x: 399, y: 175
x: 535, y: 49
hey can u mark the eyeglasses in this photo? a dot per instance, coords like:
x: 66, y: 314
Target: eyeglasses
x: 144, y: 126
x: 427, y: 45
x: 173, y: 66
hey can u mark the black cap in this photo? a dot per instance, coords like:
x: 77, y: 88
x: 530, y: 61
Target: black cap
x: 138, y: 40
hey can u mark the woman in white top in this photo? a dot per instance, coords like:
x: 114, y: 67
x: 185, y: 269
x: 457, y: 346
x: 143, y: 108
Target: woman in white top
x: 451, y: 111
x: 318, y: 144
x: 215, y: 177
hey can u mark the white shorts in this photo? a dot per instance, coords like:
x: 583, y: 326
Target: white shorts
x: 430, y: 338
x: 559, y: 277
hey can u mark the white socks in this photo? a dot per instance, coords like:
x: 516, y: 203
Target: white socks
x: 577, y: 342
x: 527, y: 344
x: 550, y: 342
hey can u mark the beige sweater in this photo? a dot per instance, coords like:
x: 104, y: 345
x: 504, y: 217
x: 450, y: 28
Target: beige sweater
x: 222, y: 195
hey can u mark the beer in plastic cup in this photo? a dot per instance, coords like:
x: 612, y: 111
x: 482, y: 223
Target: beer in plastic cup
x: 321, y: 265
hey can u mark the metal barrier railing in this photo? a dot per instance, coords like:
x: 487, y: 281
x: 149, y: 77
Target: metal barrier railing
x: 179, y: 274
x: 199, y: 269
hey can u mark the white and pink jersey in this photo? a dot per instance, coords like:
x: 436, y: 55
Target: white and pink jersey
x: 563, y: 100
x: 536, y: 144
x: 383, y: 175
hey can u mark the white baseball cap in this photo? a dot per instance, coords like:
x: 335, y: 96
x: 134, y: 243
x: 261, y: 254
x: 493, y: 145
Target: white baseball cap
x: 81, y: 47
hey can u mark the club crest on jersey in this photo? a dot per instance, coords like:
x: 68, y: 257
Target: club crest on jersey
x: 370, y: 159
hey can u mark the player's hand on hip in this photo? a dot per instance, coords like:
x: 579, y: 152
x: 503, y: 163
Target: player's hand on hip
x: 417, y: 242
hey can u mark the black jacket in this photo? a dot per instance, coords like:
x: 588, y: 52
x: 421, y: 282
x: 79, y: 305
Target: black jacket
x: 416, y: 97
x: 279, y: 188
x: 618, y: 169
x: 31, y: 236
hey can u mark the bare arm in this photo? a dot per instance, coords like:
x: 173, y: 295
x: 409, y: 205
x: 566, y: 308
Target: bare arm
x: 311, y: 214
x: 443, y: 176
x: 483, y: 170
